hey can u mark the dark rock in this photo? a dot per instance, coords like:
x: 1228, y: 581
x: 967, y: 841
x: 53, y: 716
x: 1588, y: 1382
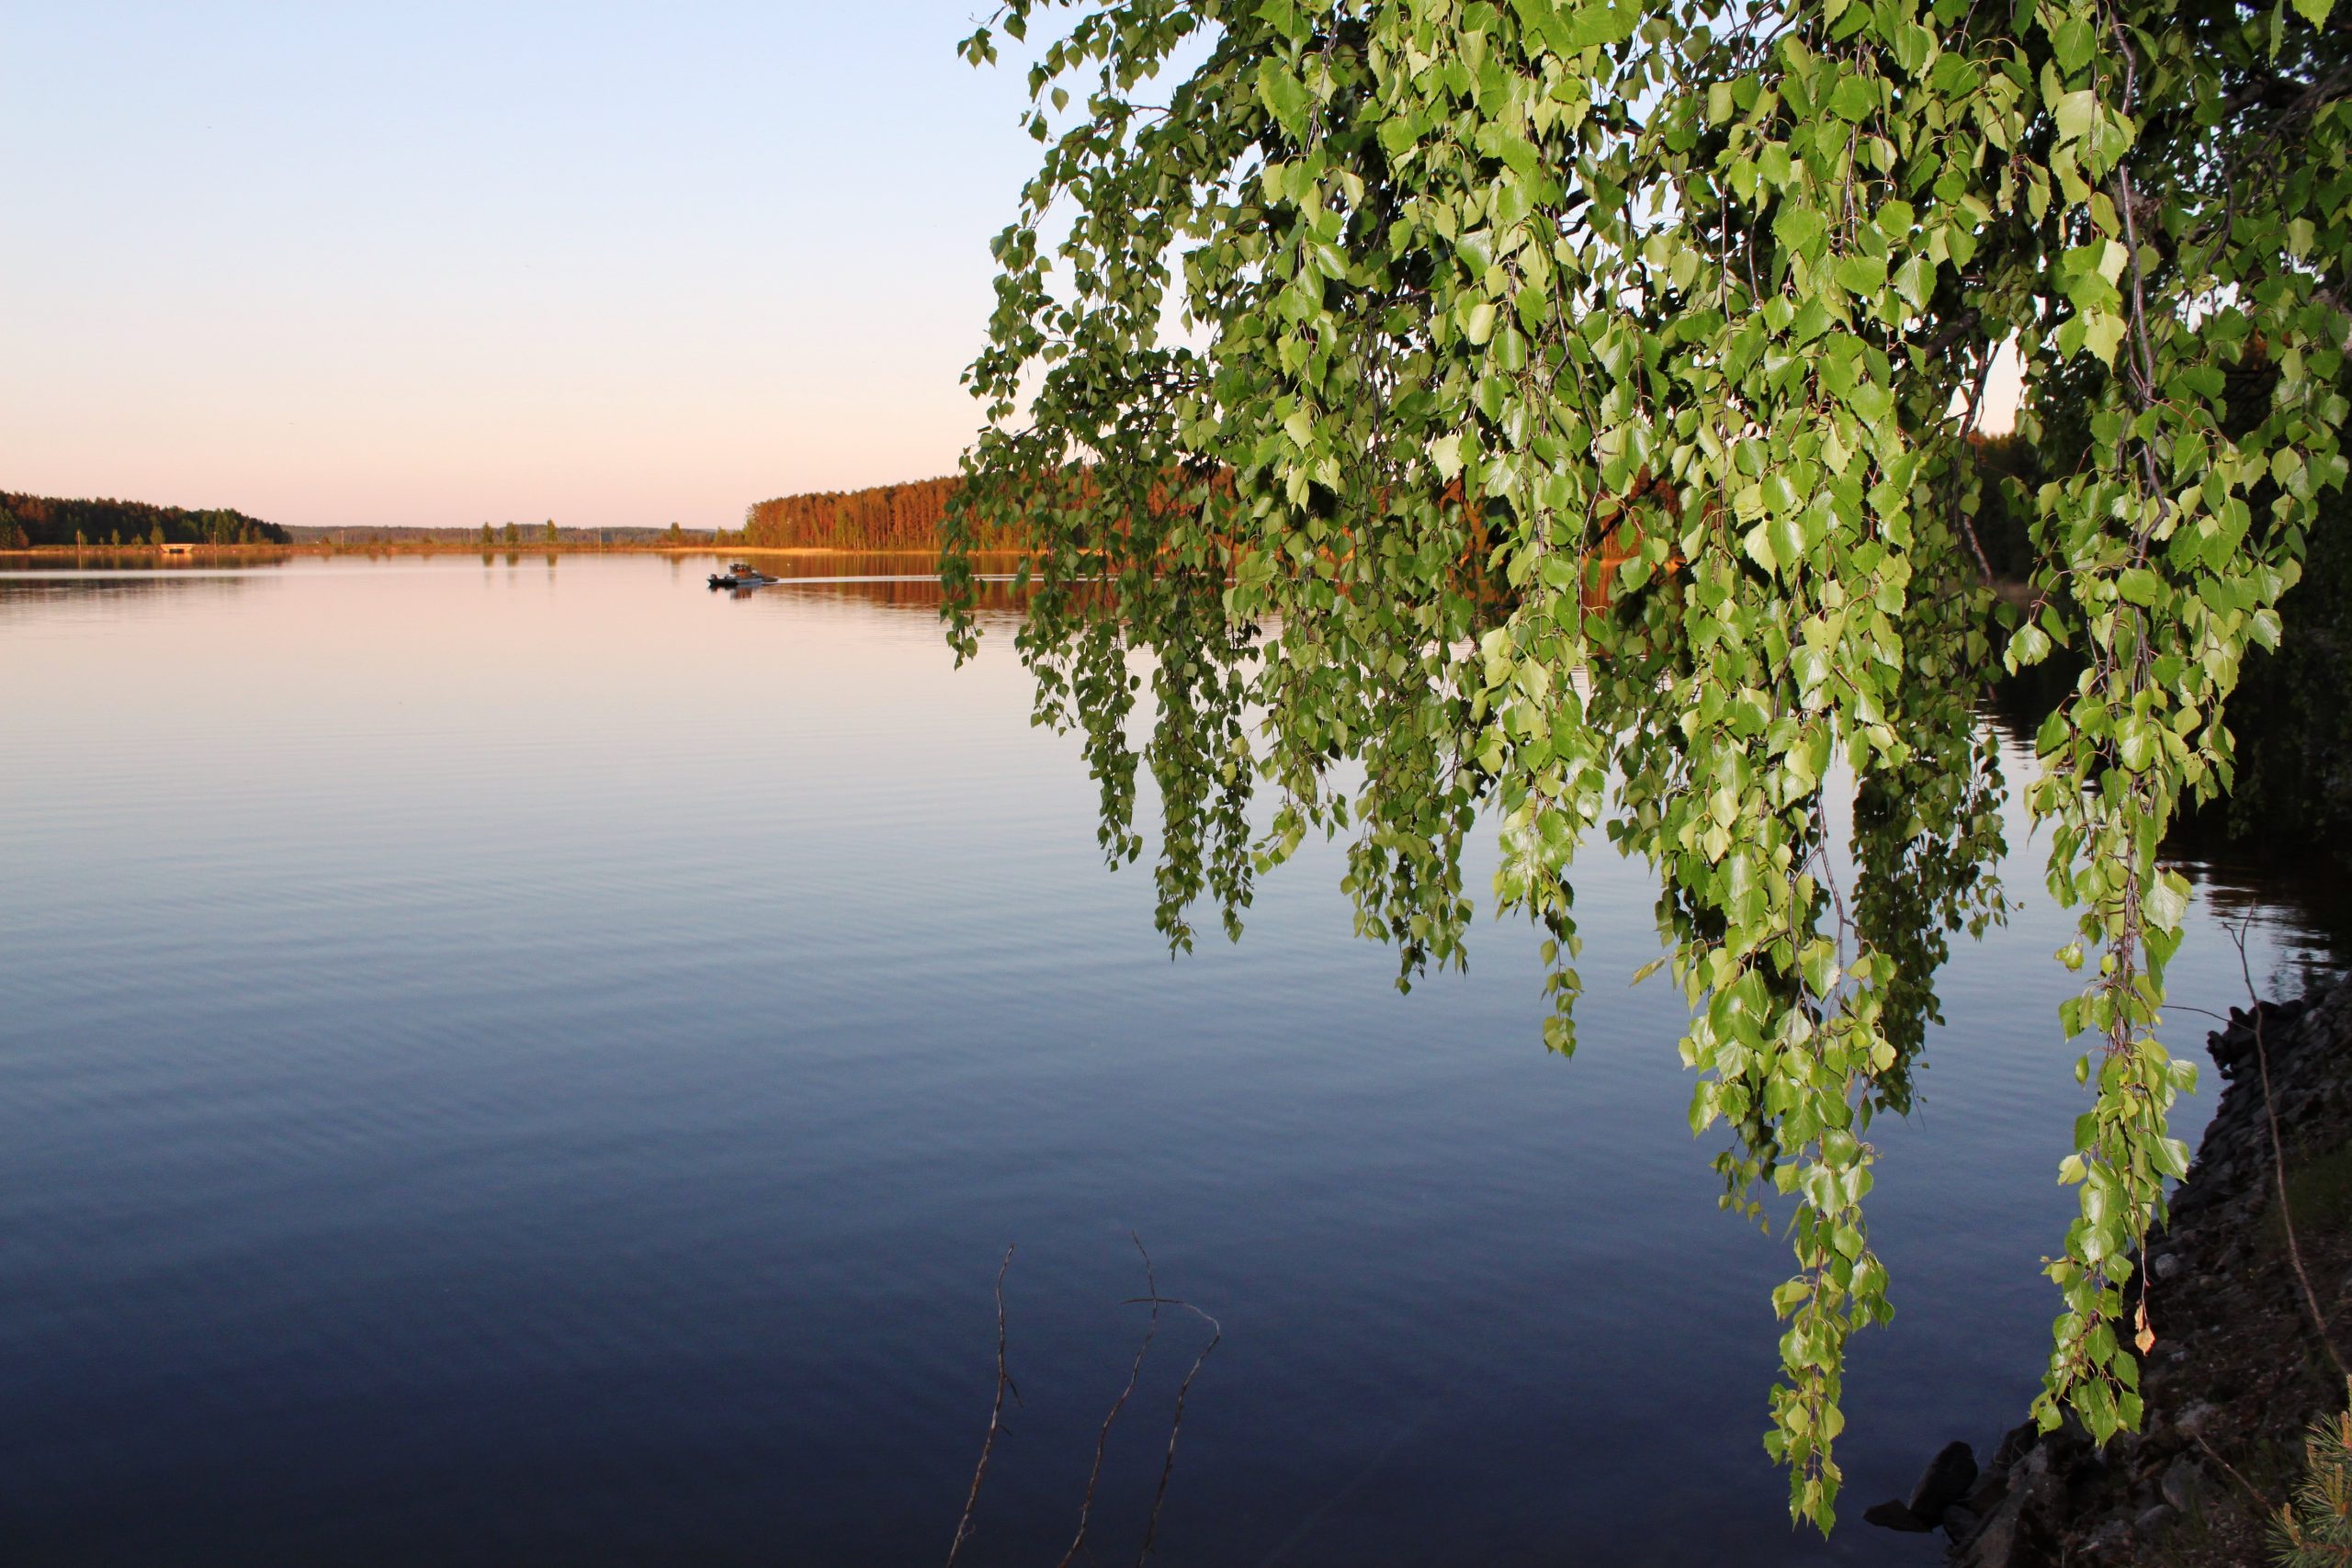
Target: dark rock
x: 2155, y: 1521
x: 1894, y: 1515
x: 1948, y: 1477
x: 2166, y: 1266
x: 2015, y: 1442
x: 2185, y: 1485
x: 2109, y: 1541
x: 2044, y: 1492
x: 1999, y: 1542
x: 1989, y: 1491
x: 2231, y: 1048
x: 2017, y: 1533
x: 1960, y: 1522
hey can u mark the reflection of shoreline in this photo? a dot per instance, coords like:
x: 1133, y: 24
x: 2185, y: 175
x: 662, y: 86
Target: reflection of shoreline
x: 994, y: 598
x: 2264, y: 865
x: 2242, y: 887
x: 28, y: 593
x: 146, y: 557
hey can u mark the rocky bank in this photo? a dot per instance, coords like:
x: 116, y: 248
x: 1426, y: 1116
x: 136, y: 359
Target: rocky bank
x: 2237, y: 1374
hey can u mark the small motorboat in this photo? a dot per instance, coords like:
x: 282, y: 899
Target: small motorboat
x: 742, y: 575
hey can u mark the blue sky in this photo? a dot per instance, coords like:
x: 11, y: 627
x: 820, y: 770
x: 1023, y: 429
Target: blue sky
x: 442, y: 263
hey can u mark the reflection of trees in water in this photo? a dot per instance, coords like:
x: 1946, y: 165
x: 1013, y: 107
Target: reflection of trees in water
x: 1870, y: 910
x: 2303, y: 900
x: 892, y: 588
x: 2254, y: 854
x: 23, y: 594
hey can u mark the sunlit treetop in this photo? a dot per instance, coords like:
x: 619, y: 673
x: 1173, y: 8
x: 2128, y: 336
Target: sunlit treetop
x: 1557, y: 414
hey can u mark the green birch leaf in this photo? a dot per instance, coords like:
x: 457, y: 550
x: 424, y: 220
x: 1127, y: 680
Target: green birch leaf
x: 1864, y: 275
x: 1853, y: 98
x: 1603, y: 23
x: 2075, y: 114
x: 1283, y: 95
x: 2101, y: 331
x: 2074, y: 42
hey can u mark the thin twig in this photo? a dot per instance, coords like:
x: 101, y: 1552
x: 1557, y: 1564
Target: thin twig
x: 2252, y: 1490
x: 1102, y: 1439
x: 996, y: 1418
x: 1176, y: 1427
x: 2278, y: 1163
x: 1975, y: 409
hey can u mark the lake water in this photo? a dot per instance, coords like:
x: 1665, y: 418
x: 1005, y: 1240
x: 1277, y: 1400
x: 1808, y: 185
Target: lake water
x: 536, y: 1062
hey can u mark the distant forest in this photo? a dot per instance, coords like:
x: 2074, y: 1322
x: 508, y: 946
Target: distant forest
x: 500, y: 537
x: 887, y: 517
x: 29, y: 520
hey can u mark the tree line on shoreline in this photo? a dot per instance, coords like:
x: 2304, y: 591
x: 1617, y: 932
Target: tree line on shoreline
x: 905, y: 516
x: 881, y: 517
x: 30, y: 521
x: 510, y: 536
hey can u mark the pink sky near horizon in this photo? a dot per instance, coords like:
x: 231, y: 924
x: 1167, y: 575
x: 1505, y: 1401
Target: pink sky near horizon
x: 440, y: 264
x: 616, y: 264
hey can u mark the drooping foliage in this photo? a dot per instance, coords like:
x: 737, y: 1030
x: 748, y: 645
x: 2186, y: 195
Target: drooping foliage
x: 1560, y: 409
x: 2292, y: 795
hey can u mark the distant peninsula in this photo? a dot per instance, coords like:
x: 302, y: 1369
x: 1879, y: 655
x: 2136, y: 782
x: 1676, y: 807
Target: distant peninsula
x: 35, y: 522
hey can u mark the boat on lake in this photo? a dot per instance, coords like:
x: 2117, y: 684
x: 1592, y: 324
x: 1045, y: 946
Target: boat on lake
x: 742, y: 575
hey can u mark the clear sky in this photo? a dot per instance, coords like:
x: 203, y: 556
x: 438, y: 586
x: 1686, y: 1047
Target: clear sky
x: 420, y: 262
x: 435, y: 263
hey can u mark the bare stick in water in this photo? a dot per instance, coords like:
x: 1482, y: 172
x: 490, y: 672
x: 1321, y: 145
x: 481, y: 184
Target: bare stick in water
x: 996, y: 1418
x: 1102, y: 1439
x: 1176, y: 1427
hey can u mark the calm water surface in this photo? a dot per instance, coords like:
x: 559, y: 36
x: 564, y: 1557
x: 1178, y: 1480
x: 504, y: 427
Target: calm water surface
x: 540, y: 1063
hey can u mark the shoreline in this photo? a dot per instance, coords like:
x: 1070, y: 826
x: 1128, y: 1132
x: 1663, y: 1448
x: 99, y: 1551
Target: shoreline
x: 2236, y: 1375
x: 434, y: 548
